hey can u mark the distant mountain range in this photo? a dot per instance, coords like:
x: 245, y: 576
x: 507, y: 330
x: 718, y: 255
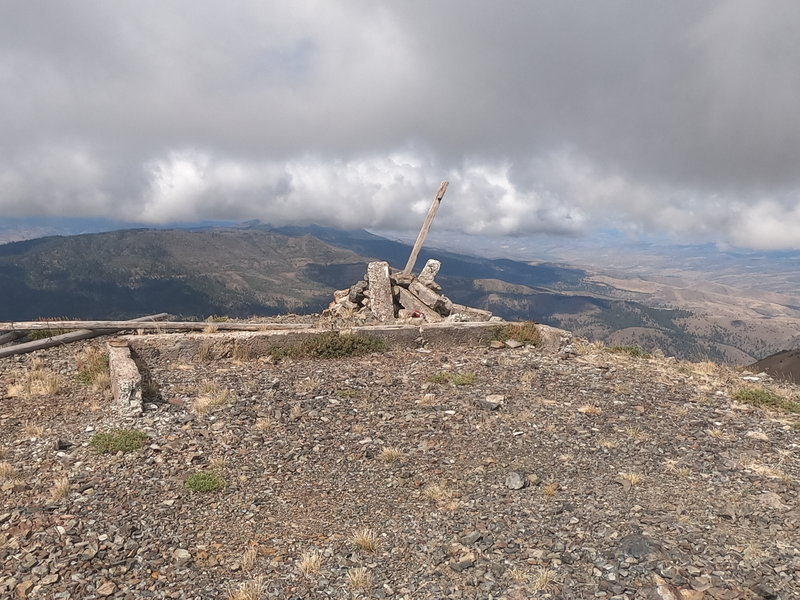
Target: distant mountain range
x: 256, y: 269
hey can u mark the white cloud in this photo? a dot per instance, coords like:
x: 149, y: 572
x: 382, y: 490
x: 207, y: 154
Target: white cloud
x: 560, y: 117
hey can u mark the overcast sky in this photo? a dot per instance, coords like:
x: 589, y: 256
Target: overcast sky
x: 563, y: 117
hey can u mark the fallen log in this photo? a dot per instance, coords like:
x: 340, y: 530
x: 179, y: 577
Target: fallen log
x: 10, y: 336
x: 73, y: 336
x: 161, y: 325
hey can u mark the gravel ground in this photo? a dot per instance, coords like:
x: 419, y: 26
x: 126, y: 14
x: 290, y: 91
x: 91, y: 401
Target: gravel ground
x: 596, y: 476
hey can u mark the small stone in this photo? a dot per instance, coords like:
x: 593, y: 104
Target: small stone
x: 471, y: 538
x: 637, y: 546
x: 764, y: 591
x: 107, y: 588
x: 429, y: 272
x: 496, y: 344
x: 466, y: 561
x: 516, y: 480
x: 182, y: 557
x: 23, y: 588
x: 727, y: 512
x: 514, y: 344
x: 773, y: 500
x: 63, y: 444
x: 491, y: 402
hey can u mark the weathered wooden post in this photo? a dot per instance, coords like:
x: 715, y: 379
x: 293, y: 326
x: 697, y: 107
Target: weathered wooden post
x: 423, y: 233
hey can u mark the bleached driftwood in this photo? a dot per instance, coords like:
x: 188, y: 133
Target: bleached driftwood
x: 82, y: 333
x: 137, y: 324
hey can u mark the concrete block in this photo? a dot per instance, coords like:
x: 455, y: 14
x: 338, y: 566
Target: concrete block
x: 126, y: 381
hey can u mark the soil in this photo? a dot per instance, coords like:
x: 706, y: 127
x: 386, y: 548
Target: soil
x: 543, y: 476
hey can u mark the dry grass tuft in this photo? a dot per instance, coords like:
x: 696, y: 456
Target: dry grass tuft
x: 632, y: 478
x: 249, y: 590
x: 37, y: 381
x: 310, y: 563
x: 717, y: 433
x: 249, y: 557
x: 308, y: 385
x: 218, y: 463
x: 391, y: 454
x: 551, y: 489
x: 428, y: 400
x: 242, y: 352
x: 366, y: 540
x: 33, y: 430
x: 767, y: 471
x: 437, y: 493
x: 590, y: 409
x: 265, y: 423
x: 7, y: 471
x: 672, y: 466
x: 204, y: 353
x: 635, y: 433
x: 518, y: 575
x: 543, y: 580
x: 211, y: 328
x: 360, y: 578
x: 211, y: 395
x: 93, y: 368
x: 60, y: 489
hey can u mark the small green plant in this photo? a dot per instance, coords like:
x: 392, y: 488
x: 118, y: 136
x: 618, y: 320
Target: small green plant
x: 761, y: 397
x: 218, y: 319
x: 454, y: 378
x: 634, y: 351
x: 205, y: 481
x: 526, y: 333
x: 119, y: 440
x: 331, y: 344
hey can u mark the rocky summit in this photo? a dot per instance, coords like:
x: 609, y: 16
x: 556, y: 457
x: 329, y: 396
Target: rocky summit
x: 464, y: 472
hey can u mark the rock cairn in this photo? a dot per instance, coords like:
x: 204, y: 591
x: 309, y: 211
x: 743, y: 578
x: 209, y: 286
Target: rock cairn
x: 386, y: 295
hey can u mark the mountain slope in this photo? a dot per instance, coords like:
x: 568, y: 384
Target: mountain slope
x: 260, y: 270
x: 126, y: 273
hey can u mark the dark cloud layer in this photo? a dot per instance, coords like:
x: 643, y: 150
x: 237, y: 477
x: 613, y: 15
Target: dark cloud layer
x: 545, y: 116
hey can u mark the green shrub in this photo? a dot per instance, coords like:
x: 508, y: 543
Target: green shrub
x: 634, y: 351
x: 40, y: 334
x: 118, y: 440
x: 205, y: 481
x: 454, y: 378
x: 331, y: 344
x: 526, y: 333
x: 761, y: 397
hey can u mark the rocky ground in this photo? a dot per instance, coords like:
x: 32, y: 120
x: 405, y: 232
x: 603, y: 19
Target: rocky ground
x: 470, y: 473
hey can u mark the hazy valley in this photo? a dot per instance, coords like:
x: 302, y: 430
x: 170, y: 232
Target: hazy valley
x: 717, y: 309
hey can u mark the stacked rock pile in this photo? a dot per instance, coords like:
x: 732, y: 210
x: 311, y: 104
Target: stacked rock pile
x: 386, y: 295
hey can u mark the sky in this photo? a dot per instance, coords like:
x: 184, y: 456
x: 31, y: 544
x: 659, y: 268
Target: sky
x: 677, y: 118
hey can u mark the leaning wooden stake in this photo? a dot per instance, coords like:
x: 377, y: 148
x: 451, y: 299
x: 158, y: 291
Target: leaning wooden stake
x: 423, y: 233
x: 73, y: 336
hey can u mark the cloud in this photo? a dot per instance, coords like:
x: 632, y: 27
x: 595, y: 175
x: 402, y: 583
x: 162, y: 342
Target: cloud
x: 558, y: 117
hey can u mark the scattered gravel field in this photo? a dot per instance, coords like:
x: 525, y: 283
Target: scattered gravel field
x: 468, y: 473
